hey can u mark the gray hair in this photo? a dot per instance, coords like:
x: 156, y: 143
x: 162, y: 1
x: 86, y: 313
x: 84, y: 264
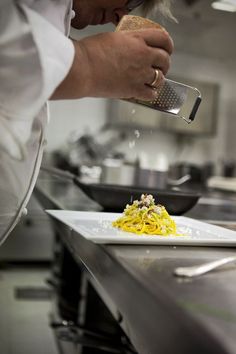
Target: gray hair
x: 162, y: 6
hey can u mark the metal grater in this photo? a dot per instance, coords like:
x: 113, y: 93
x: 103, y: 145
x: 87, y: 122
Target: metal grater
x: 172, y: 97
x: 169, y: 97
x: 175, y: 98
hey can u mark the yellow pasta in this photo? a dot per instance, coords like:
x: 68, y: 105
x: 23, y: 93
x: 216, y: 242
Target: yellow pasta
x: 145, y: 217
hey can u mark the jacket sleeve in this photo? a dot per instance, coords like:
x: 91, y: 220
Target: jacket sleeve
x: 35, y: 57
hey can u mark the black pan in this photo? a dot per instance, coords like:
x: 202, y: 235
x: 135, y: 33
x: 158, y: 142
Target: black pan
x: 114, y: 198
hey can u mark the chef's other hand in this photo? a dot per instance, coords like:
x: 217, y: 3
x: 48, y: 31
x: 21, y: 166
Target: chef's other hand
x: 118, y: 65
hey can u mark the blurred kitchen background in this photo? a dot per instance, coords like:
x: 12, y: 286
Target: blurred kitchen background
x: 113, y: 141
x: 89, y: 131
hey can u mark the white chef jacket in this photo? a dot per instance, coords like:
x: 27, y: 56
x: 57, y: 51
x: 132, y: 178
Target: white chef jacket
x: 35, y: 56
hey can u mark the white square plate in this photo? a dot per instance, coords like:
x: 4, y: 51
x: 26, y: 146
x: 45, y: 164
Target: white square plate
x: 97, y: 226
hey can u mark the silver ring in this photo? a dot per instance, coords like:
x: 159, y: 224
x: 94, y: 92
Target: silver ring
x: 155, y: 81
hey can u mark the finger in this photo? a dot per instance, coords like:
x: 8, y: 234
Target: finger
x: 157, y: 38
x: 154, y: 77
x: 161, y: 60
x: 148, y: 93
x: 157, y: 78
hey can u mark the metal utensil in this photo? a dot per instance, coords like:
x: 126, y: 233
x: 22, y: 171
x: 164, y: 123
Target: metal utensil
x: 113, y: 197
x: 172, y: 97
x: 202, y: 268
x: 175, y: 98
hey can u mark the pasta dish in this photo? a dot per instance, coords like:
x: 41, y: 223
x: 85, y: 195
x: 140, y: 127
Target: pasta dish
x: 145, y: 217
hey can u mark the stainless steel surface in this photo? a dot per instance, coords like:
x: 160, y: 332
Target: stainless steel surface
x: 57, y: 172
x: 216, y: 201
x: 115, y: 171
x: 201, y: 269
x: 152, y: 178
x: 180, y: 181
x: 153, y: 267
x: 218, y: 207
x: 113, y: 197
x: 151, y: 327
x: 34, y: 232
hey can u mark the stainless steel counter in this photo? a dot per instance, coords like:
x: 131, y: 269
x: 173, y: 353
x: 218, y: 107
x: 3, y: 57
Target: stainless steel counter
x: 158, y: 312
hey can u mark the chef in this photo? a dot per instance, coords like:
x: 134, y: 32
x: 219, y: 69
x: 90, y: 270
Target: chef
x: 38, y: 62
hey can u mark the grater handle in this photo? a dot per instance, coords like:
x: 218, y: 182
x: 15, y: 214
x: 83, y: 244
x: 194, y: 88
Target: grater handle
x: 195, y: 108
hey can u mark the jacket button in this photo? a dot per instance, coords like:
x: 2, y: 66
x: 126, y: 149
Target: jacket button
x: 72, y: 14
x: 24, y: 212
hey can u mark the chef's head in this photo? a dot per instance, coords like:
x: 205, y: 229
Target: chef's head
x: 98, y: 12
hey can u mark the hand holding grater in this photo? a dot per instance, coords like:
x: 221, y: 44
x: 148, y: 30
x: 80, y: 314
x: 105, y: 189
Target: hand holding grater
x: 171, y: 97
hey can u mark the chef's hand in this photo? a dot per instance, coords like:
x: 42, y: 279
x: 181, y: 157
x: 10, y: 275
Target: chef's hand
x: 117, y: 65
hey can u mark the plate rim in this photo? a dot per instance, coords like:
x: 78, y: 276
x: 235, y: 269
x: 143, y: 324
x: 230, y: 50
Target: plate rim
x: 145, y: 239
